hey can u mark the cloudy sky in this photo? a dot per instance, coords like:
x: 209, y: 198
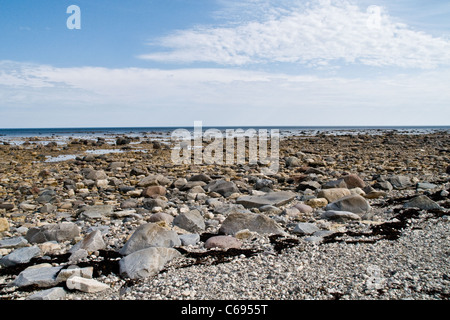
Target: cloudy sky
x: 225, y: 62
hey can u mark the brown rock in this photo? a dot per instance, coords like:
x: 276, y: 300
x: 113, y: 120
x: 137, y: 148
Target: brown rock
x: 154, y: 191
x: 333, y: 194
x: 223, y: 242
x: 353, y: 181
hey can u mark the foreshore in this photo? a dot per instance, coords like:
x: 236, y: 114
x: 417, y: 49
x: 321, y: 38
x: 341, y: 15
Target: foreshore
x: 348, y: 216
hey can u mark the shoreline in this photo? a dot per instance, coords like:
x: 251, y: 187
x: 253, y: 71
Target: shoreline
x: 379, y: 249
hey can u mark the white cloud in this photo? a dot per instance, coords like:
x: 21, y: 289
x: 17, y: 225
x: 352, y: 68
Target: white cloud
x: 90, y: 96
x: 322, y: 33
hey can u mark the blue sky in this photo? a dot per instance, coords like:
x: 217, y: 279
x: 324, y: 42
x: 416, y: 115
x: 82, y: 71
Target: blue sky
x: 225, y: 62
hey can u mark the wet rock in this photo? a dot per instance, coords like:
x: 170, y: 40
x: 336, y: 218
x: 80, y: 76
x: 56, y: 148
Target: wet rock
x: 191, y: 221
x: 53, y: 232
x: 223, y: 242
x: 272, y: 198
x: 146, y: 262
x: 253, y: 222
x: 353, y: 203
x: 333, y: 194
x: 150, y: 235
x: 422, y: 202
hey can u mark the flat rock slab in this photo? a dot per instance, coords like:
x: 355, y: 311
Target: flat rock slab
x: 56, y: 293
x: 272, y: 198
x: 85, y: 285
x: 340, y: 216
x: 53, y: 232
x: 18, y: 256
x: 422, y: 202
x: 43, y: 277
x: 353, y: 203
x: 223, y: 242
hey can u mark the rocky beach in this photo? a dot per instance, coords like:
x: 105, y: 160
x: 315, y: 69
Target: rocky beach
x: 361, y: 216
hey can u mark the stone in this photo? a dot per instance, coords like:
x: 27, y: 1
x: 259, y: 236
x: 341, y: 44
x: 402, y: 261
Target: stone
x: 400, y: 182
x: 96, y: 211
x: 27, y: 206
x: 384, y: 185
x: 56, y: 293
x: 97, y: 175
x: 154, y: 191
x: 21, y: 255
x: 425, y: 185
x: 200, y: 177
x: 179, y: 183
x: 43, y: 277
x: 312, y: 185
x: 189, y: 239
x: 121, y: 141
x: 340, y: 183
x: 293, y: 162
x: 4, y: 225
x: 161, y: 216
x: 154, y: 180
x: 269, y: 209
x: 375, y: 194
x: 92, y: 242
x: 146, y: 262
x: 317, y: 202
x: 191, y: 221
x: 150, y: 235
x: 223, y: 242
x: 353, y: 181
x: 304, y: 208
x: 263, y: 184
x: 333, y: 194
x: 14, y: 242
x: 65, y: 274
x: 151, y: 203
x: 225, y: 188
x: 85, y: 285
x: 53, y: 232
x: 353, y: 203
x: 340, y: 216
x: 305, y: 228
x: 422, y: 202
x: 272, y: 198
x: 253, y: 222
x: 48, y: 208
x: 448, y: 170
x: 7, y: 206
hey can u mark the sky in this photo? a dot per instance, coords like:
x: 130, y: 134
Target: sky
x: 154, y: 63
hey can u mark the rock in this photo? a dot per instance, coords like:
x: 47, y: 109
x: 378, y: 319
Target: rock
x: 161, y: 216
x: 152, y: 203
x: 200, y: 177
x: 27, y: 206
x: 191, y: 221
x: 340, y: 183
x: 21, y: 255
x: 43, y: 277
x: 340, y: 216
x: 56, y: 293
x: 271, y: 210
x: 317, y: 202
x: 333, y: 194
x: 422, y: 202
x: 146, y: 262
x: 15, y: 242
x: 353, y: 203
x: 254, y: 222
x: 53, y: 232
x: 263, y: 184
x: 96, y: 211
x: 48, y: 208
x: 400, y: 182
x: 65, y: 274
x: 272, y: 198
x: 46, y: 196
x: 4, y: 225
x: 448, y: 170
x: 425, y: 185
x: 223, y: 242
x: 97, y: 175
x: 353, y: 181
x: 154, y: 180
x: 293, y: 162
x: 312, y: 185
x: 179, y: 183
x: 150, y: 235
x: 7, y: 206
x: 304, y: 228
x: 85, y: 285
x: 189, y: 239
x: 375, y: 194
x: 304, y: 208
x: 225, y: 188
x: 92, y: 242
x: 154, y: 191
x: 78, y: 255
x: 121, y: 141
x: 384, y: 185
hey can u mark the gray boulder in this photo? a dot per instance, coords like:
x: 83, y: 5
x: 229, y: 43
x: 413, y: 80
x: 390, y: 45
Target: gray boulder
x: 191, y: 221
x: 422, y: 202
x: 353, y: 203
x: 43, y: 277
x: 18, y: 256
x: 53, y: 232
x: 150, y: 235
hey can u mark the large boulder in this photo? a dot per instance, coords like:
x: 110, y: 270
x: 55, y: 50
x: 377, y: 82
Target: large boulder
x: 191, y: 221
x: 146, y: 262
x: 422, y: 202
x: 150, y: 235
